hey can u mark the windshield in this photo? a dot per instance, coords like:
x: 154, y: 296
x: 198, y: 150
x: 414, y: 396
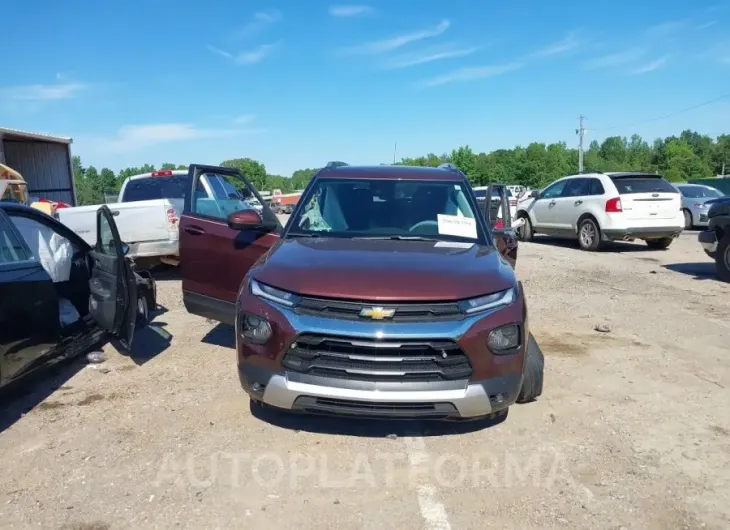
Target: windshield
x: 699, y: 192
x: 387, y: 209
x: 149, y: 188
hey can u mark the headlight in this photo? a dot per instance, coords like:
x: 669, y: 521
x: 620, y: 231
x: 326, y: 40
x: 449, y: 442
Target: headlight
x: 273, y: 294
x: 700, y: 205
x: 504, y: 339
x: 490, y: 301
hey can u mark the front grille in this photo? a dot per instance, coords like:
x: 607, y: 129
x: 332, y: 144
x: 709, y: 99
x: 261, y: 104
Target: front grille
x: 379, y: 361
x: 406, y: 312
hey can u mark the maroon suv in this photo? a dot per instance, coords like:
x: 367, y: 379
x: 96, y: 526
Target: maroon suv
x: 388, y: 294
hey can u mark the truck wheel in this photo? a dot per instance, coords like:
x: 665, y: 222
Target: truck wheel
x: 687, y: 219
x: 659, y: 244
x: 589, y: 235
x: 524, y: 233
x: 722, y: 258
x: 533, y: 372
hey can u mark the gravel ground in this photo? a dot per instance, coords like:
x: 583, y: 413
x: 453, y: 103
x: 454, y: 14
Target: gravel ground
x: 632, y: 430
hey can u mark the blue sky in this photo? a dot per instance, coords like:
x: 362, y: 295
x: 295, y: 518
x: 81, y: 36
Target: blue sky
x: 296, y: 83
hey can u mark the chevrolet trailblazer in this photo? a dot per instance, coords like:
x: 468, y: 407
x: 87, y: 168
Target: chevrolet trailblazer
x: 388, y: 294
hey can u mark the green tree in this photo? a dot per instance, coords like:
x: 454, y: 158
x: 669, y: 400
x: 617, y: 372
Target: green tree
x: 253, y: 170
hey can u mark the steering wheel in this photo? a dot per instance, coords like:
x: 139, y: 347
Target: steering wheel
x: 423, y: 224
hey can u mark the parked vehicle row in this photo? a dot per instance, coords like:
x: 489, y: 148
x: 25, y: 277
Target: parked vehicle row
x: 58, y: 295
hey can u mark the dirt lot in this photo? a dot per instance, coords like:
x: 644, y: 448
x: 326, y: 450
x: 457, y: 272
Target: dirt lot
x: 633, y: 430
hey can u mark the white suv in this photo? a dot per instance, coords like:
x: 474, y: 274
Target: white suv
x: 599, y: 207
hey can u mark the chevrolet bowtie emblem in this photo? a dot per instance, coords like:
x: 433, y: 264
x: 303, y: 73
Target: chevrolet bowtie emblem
x: 377, y: 313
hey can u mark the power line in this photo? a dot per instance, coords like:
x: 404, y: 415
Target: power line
x: 663, y: 117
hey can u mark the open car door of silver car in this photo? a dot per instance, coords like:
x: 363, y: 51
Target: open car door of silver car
x: 113, y: 288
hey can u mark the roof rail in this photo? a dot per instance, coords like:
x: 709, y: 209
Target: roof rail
x: 449, y: 167
x: 335, y: 163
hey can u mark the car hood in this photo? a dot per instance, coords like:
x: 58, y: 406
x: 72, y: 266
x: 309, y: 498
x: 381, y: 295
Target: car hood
x: 384, y: 270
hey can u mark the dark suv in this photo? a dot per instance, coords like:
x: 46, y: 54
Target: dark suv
x: 388, y: 294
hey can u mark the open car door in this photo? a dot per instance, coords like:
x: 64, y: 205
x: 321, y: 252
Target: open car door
x: 498, y: 216
x: 113, y: 288
x: 222, y: 235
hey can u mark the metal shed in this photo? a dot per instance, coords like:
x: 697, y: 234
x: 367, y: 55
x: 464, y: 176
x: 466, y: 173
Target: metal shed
x: 43, y: 160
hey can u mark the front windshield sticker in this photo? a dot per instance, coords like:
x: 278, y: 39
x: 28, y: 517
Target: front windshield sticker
x: 452, y: 244
x: 453, y: 225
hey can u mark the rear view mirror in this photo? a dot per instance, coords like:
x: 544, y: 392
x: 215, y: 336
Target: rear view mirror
x: 245, y: 220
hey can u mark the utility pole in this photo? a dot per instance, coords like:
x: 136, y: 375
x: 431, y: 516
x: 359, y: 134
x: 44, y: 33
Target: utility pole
x: 581, y: 131
x: 395, y: 148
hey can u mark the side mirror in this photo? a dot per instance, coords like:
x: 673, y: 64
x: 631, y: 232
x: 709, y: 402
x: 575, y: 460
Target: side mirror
x: 245, y: 220
x: 125, y: 249
x: 535, y: 194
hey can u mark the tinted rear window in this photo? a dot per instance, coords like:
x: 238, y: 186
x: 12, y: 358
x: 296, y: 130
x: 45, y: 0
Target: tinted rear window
x: 151, y: 188
x: 629, y: 185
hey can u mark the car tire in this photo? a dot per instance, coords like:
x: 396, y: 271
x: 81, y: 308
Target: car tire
x: 722, y: 258
x: 589, y: 235
x: 659, y: 244
x: 525, y: 233
x: 688, y: 223
x: 143, y: 311
x: 533, y: 372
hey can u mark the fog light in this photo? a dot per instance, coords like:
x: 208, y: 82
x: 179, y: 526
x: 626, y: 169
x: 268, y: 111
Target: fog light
x: 504, y: 339
x: 255, y: 329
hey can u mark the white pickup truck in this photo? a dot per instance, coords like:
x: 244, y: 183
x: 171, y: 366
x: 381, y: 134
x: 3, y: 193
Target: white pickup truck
x: 147, y: 212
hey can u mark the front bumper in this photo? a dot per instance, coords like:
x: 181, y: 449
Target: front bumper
x: 649, y: 232
x: 493, y: 385
x: 444, y: 400
x: 708, y: 240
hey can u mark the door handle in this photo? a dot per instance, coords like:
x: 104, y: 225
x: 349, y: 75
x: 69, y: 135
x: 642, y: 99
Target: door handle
x: 551, y: 203
x: 578, y: 202
x: 194, y: 230
x: 114, y: 212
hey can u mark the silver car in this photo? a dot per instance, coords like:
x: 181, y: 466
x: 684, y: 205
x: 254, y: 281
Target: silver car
x: 696, y: 200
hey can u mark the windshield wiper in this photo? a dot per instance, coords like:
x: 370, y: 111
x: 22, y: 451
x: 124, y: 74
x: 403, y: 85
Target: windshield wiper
x: 302, y: 235
x: 399, y: 238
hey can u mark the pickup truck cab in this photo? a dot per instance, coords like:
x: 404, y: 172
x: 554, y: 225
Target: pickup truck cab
x: 147, y: 213
x: 388, y: 294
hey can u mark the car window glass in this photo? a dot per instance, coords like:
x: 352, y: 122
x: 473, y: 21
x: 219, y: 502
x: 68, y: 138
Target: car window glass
x: 554, y: 190
x: 596, y: 188
x: 228, y: 196
x: 106, y: 243
x: 11, y: 250
x: 629, y: 185
x: 149, y: 188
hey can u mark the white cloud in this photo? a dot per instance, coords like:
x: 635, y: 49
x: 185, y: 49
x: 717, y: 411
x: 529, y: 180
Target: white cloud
x: 656, y: 64
x: 259, y: 21
x: 665, y: 28
x: 137, y: 137
x: 255, y: 55
x: 706, y: 25
x: 243, y: 119
x: 428, y: 56
x: 569, y: 42
x: 616, y: 59
x: 393, y: 43
x: 43, y: 92
x: 352, y: 10
x: 471, y: 74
